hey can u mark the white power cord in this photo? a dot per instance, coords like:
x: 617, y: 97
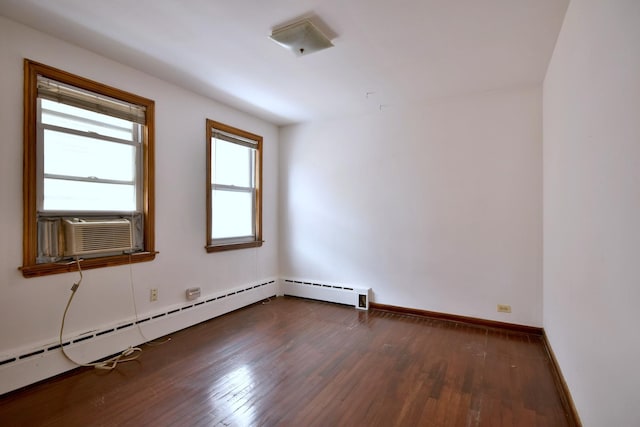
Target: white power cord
x: 127, y: 355
x: 147, y: 341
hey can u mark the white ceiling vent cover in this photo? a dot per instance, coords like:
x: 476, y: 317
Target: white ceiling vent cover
x: 95, y: 237
x: 301, y: 37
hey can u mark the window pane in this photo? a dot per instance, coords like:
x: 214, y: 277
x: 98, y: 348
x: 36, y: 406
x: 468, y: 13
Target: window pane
x: 73, y: 155
x: 64, y: 195
x: 231, y: 163
x: 232, y: 214
x: 58, y: 114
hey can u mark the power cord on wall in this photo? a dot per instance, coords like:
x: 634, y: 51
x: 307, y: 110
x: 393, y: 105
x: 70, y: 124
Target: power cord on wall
x: 257, y: 273
x: 147, y: 341
x: 127, y: 355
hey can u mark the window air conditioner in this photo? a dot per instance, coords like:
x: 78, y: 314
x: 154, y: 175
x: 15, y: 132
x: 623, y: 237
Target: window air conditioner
x: 84, y: 237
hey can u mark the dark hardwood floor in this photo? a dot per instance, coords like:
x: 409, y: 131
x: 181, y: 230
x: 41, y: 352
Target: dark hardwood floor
x: 295, y: 362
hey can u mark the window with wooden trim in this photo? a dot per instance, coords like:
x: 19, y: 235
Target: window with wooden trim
x: 234, y: 188
x: 88, y: 174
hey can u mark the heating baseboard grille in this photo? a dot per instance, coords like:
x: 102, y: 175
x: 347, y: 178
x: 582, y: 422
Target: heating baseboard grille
x: 54, y: 346
x: 349, y: 295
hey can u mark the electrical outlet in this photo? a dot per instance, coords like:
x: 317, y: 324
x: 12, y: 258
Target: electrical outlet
x: 504, y: 308
x: 153, y: 296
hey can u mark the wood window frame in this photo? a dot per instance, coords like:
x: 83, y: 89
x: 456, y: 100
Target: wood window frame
x: 257, y: 240
x: 29, y: 266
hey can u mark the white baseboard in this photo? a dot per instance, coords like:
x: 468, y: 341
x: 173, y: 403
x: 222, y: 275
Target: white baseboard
x: 26, y: 366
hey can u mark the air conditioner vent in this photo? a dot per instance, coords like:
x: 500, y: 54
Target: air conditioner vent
x: 84, y: 237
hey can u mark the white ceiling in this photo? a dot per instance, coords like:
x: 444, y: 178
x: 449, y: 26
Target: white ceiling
x: 404, y: 51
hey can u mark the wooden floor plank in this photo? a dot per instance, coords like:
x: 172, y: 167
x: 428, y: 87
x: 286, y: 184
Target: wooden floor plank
x: 295, y: 362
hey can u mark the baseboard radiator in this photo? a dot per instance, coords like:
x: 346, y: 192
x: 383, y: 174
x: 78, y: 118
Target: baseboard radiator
x: 29, y: 365
x: 342, y: 294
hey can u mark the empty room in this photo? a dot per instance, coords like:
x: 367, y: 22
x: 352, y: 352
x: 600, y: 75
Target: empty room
x: 320, y: 213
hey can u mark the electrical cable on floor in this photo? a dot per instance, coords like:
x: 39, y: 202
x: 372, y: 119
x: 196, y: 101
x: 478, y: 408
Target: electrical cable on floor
x: 127, y: 355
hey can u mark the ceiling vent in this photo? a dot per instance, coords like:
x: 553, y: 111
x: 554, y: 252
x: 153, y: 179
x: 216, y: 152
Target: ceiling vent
x: 301, y: 37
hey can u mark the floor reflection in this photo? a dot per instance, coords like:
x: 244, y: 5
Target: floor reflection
x: 231, y: 398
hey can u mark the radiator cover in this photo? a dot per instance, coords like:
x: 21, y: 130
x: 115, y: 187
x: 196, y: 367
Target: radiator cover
x: 342, y: 294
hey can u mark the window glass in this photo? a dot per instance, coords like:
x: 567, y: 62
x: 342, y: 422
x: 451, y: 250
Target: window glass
x: 231, y: 164
x: 232, y: 214
x: 67, y: 116
x: 65, y: 195
x: 78, y: 156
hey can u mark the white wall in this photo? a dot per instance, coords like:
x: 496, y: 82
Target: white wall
x: 435, y: 207
x: 31, y: 309
x: 592, y: 208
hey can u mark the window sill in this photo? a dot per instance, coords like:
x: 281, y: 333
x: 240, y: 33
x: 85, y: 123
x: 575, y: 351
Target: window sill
x: 233, y: 246
x: 37, y: 270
